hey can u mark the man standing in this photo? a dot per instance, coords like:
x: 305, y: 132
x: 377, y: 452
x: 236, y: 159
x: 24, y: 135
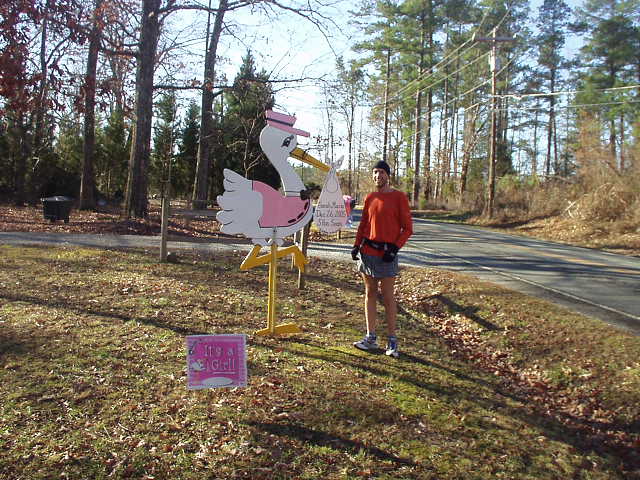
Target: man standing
x: 385, y: 227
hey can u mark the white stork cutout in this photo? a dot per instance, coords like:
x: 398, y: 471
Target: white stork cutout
x: 263, y: 214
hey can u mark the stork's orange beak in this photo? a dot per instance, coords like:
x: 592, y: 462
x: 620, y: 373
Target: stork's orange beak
x: 307, y: 158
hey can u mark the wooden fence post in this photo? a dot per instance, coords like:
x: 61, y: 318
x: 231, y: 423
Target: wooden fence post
x: 164, y: 223
x: 303, y: 246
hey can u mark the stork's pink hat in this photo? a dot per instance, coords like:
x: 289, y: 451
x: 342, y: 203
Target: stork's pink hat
x: 284, y: 122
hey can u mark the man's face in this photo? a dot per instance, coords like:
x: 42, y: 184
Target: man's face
x: 380, y: 177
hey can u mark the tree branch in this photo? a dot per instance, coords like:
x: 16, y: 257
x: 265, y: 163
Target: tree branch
x: 221, y: 88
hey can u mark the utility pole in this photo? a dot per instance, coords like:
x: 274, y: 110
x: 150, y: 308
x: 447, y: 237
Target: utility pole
x: 494, y: 64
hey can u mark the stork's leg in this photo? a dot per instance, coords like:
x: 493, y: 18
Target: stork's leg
x: 299, y: 260
x: 254, y: 259
x: 272, y: 258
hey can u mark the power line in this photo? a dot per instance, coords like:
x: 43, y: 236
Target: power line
x: 441, y: 64
x: 448, y: 75
x: 431, y: 72
x: 517, y: 96
x: 443, y: 105
x: 450, y: 54
x: 567, y: 106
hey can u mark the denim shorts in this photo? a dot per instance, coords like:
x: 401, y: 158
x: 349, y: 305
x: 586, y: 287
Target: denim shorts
x: 376, y: 268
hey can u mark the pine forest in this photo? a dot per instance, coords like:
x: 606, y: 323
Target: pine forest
x: 510, y: 109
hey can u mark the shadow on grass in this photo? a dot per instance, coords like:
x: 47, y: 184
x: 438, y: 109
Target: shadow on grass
x: 324, y: 439
x: 337, y: 282
x: 57, y: 303
x: 553, y: 425
x: 11, y: 343
x: 560, y: 426
x: 360, y: 361
x: 454, y: 307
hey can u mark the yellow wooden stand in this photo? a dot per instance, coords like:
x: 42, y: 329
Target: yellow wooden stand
x: 253, y: 260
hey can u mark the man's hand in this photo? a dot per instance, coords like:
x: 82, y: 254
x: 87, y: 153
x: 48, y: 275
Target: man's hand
x: 390, y: 253
x: 354, y: 252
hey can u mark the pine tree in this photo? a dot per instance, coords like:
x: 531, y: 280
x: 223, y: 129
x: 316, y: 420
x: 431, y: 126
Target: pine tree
x: 553, y: 21
x: 113, y: 146
x: 610, y: 55
x: 242, y: 122
x: 187, y: 157
x: 164, y: 140
x: 419, y: 22
x: 380, y: 50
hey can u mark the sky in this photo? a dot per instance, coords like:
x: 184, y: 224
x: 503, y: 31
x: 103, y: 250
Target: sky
x: 289, y: 47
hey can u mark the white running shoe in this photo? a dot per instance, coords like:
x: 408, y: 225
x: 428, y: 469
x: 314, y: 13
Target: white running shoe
x: 367, y: 343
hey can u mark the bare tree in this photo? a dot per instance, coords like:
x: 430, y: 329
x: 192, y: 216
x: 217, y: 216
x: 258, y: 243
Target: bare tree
x: 201, y: 183
x: 137, y: 182
x: 87, y: 180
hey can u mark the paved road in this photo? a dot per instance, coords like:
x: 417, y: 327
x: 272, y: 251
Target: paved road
x: 598, y: 284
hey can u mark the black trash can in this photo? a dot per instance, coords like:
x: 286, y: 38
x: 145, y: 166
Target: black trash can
x: 56, y: 208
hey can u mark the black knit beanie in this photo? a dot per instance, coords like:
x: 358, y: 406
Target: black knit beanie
x: 384, y: 166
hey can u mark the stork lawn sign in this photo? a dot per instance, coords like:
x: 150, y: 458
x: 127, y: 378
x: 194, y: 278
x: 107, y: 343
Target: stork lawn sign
x: 265, y: 215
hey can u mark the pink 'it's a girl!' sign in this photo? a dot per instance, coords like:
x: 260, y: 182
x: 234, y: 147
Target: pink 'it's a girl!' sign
x: 216, y: 361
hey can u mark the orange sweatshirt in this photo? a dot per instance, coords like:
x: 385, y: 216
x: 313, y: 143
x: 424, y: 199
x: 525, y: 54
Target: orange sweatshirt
x: 386, y: 217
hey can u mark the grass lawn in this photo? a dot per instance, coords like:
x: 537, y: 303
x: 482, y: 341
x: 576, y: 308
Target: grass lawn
x: 491, y: 383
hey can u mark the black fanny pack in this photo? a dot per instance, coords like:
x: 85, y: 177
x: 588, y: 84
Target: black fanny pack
x: 382, y: 246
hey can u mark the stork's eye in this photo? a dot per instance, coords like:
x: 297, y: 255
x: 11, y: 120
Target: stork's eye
x: 287, y: 141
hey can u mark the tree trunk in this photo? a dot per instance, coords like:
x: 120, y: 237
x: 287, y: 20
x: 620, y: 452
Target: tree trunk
x: 87, y: 181
x: 612, y: 132
x: 350, y: 122
x: 417, y: 133
x: 408, y: 159
x: 427, y: 147
x: 21, y: 154
x: 491, y: 181
x: 428, y: 120
x: 40, y: 107
x: 468, y: 143
x: 455, y: 122
x: 385, y: 143
x: 556, y: 160
x: 444, y: 152
x: 612, y: 141
x: 201, y: 182
x: 623, y: 157
x: 136, y: 201
x: 358, y: 158
x: 417, y: 139
x: 550, y: 127
x: 534, y: 158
